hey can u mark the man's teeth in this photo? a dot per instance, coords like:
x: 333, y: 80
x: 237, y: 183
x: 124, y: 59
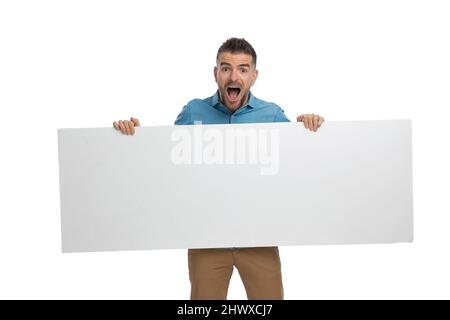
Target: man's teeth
x: 233, y: 90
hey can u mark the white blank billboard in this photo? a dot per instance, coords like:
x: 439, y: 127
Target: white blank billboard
x: 347, y: 183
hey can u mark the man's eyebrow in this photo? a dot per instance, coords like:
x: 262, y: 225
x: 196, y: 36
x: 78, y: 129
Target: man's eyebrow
x: 241, y: 65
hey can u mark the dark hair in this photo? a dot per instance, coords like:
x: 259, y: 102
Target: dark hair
x: 236, y: 45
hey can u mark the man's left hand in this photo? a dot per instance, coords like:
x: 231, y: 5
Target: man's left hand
x: 311, y: 121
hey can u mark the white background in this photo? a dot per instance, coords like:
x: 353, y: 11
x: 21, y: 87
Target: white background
x: 86, y: 63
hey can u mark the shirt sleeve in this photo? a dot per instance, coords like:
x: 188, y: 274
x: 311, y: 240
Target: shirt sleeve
x: 184, y: 117
x: 280, y: 116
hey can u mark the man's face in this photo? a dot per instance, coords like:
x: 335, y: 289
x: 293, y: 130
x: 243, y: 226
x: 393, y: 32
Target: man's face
x: 235, y: 74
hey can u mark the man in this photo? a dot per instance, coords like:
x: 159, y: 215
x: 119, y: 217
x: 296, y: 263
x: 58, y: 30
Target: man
x: 210, y: 270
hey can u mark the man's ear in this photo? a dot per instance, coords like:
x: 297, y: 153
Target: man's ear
x: 215, y: 73
x: 255, y: 76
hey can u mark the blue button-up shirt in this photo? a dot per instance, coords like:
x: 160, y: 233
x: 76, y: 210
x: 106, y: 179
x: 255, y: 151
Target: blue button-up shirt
x: 212, y: 111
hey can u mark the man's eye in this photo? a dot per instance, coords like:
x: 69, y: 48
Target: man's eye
x: 225, y: 69
x: 243, y: 70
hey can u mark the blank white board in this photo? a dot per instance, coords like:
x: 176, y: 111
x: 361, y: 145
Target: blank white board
x: 347, y: 183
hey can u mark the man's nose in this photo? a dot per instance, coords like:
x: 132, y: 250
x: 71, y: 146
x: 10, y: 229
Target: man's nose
x: 234, y: 76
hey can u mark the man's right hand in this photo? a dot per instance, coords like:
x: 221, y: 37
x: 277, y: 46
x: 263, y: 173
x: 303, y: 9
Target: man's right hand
x: 126, y: 126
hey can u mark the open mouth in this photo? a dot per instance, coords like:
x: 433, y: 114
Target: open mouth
x: 233, y: 93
